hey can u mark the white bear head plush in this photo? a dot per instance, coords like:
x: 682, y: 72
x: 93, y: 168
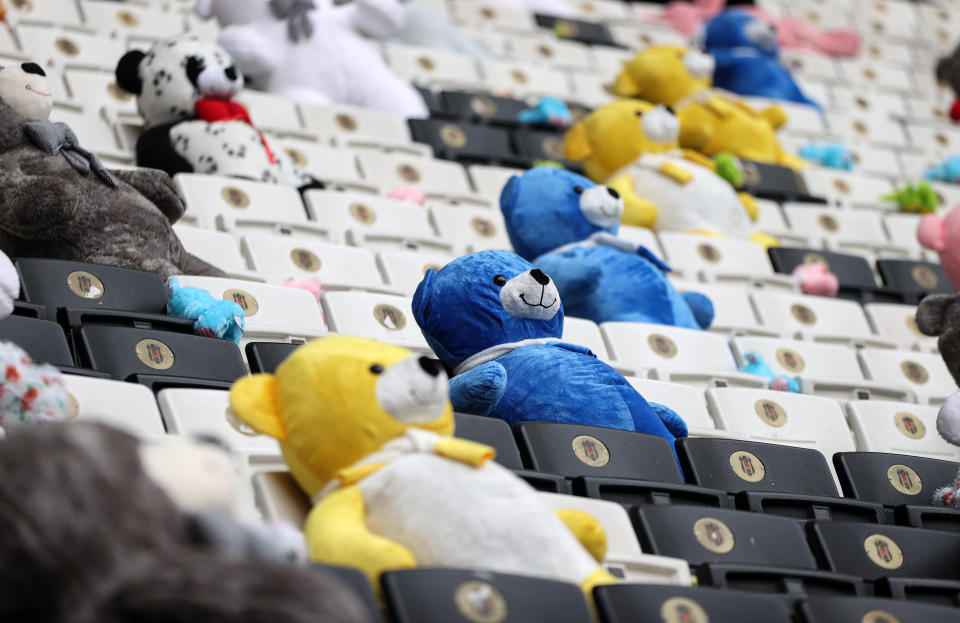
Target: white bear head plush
x: 172, y: 75
x: 24, y: 88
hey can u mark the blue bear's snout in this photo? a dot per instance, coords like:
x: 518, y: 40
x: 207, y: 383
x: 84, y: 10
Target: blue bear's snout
x: 531, y: 295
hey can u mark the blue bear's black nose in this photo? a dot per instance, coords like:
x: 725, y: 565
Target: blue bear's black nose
x: 231, y: 72
x: 430, y: 366
x: 540, y: 276
x: 33, y: 68
x: 613, y: 193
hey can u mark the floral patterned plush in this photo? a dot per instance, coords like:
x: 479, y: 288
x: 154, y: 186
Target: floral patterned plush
x: 29, y: 392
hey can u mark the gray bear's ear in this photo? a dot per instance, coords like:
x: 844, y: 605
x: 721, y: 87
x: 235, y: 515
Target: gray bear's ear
x: 128, y: 72
x: 422, y: 296
x: 932, y: 312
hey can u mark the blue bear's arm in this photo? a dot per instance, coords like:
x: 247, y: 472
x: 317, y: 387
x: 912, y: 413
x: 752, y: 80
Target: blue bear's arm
x: 478, y: 391
x: 702, y: 308
x: 574, y: 275
x: 670, y: 419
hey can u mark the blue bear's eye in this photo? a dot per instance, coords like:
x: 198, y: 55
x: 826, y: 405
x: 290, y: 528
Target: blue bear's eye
x: 578, y: 190
x: 500, y: 280
x: 376, y: 368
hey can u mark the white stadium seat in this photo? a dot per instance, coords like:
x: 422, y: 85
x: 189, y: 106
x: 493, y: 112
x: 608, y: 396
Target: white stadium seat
x: 688, y: 402
x: 471, y: 229
x: 404, y: 270
x: 217, y: 248
x: 898, y: 323
x: 720, y: 259
x: 813, y: 317
x: 924, y: 373
x: 381, y: 317
x: 434, y: 177
x: 128, y: 406
x: 904, y: 428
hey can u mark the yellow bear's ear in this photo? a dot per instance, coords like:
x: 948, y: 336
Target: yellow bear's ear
x: 253, y: 399
x: 776, y: 115
x: 625, y: 85
x: 576, y: 144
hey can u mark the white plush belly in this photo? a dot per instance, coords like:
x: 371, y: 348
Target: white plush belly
x: 451, y: 514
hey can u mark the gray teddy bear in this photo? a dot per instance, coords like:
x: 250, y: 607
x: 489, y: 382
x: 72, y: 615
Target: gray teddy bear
x: 58, y: 201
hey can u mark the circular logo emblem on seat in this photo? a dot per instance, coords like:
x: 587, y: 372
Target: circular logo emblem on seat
x: 862, y: 103
x: 565, y: 28
x: 246, y: 301
x: 426, y: 63
x: 682, y: 610
x: 904, y: 479
x: 771, y: 413
x: 914, y: 372
x: 791, y: 360
x: 860, y: 127
x: 910, y: 425
x: 911, y: 322
x: 747, y: 466
x: 128, y: 19
x: 363, y: 213
x: 809, y: 258
x: 828, y: 223
x: 941, y: 139
x: 883, y: 551
x: 590, y: 451
x: 803, y: 314
x: 22, y: 5
x: 235, y: 197
x: 709, y: 252
x: 519, y: 76
x: 587, y: 7
x: 488, y: 13
x: 925, y: 277
x: 813, y: 16
x: 452, y: 136
x: 841, y: 186
x: 553, y: 148
x: 879, y: 616
x: 545, y: 51
x: 408, y: 173
x: 713, y: 535
x: 345, y: 122
x: 479, y: 602
x: 73, y: 409
x: 239, y: 425
x: 662, y: 346
x: 306, y: 260
x: 154, y: 354
x: 483, y: 105
x: 66, y: 46
x: 796, y: 63
x: 297, y: 156
x: 85, y: 285
x: 483, y: 227
x: 117, y: 93
x: 389, y: 317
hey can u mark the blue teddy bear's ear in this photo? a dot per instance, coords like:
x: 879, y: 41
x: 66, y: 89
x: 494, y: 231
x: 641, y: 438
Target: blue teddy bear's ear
x: 508, y: 196
x: 422, y: 296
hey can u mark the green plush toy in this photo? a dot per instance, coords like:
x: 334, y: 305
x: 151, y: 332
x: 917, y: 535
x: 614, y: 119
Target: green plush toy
x: 729, y: 168
x: 915, y: 199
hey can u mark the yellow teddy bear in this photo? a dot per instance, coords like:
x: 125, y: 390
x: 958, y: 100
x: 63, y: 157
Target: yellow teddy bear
x: 365, y: 429
x: 665, y: 74
x: 630, y: 145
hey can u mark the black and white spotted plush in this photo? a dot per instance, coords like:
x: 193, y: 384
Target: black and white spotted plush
x: 169, y: 81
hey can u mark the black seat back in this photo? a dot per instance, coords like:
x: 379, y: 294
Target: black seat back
x: 911, y: 276
x: 493, y: 432
x: 892, y: 479
x: 629, y: 603
x: 844, y: 609
x: 265, y: 357
x: 43, y: 340
x: 851, y: 270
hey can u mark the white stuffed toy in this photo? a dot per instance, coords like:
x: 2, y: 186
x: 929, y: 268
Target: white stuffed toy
x: 9, y: 285
x: 312, y: 51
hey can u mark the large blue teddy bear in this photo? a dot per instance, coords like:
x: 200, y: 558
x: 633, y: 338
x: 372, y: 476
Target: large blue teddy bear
x: 567, y: 225
x: 745, y: 50
x: 496, y: 321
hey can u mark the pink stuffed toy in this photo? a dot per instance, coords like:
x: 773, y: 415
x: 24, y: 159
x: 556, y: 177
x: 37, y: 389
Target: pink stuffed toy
x: 942, y: 234
x: 816, y: 279
x: 408, y: 193
x: 792, y: 33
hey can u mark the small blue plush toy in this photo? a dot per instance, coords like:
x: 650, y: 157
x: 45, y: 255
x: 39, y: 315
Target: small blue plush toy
x: 214, y: 317
x: 757, y: 365
x: 947, y: 171
x: 833, y: 155
x: 566, y: 225
x: 496, y: 321
x: 746, y: 50
x: 548, y: 111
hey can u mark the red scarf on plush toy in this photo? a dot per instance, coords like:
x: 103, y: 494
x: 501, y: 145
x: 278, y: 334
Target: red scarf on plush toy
x: 211, y: 110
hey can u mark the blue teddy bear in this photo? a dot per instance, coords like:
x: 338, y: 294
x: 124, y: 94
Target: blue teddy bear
x: 496, y: 321
x: 745, y: 50
x: 567, y: 225
x: 947, y: 171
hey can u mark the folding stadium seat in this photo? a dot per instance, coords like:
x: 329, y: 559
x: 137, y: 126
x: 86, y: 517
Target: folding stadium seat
x: 334, y: 166
x: 585, y: 333
x: 553, y: 52
x: 814, y: 317
x: 679, y: 355
x: 789, y: 583
x: 915, y: 278
x: 871, y: 128
x: 801, y: 118
x: 703, y: 535
x: 810, y: 65
x: 383, y: 317
x: 271, y: 112
x: 898, y: 323
x: 69, y: 48
x: 892, y: 479
x: 490, y: 180
x: 902, y: 230
x: 114, y: 20
x: 471, y: 229
x: 591, y: 89
x: 462, y: 596
x: 522, y: 80
x: 374, y: 223
x: 465, y: 142
x: 924, y: 373
x: 856, y: 278
x: 626, y: 603
x: 840, y: 609
x: 878, y: 161
x: 434, y: 177
x: 431, y: 67
x: 336, y: 266
x: 95, y: 133
x: 869, y: 74
x: 482, y: 108
x: 493, y: 16
x: 216, y: 247
x: 493, y: 432
x: 948, y: 195
x: 623, y: 560
x: 349, y: 126
x: 206, y: 413
x: 685, y: 400
x: 272, y: 312
x: 829, y: 227
x: 857, y: 190
x: 97, y: 89
x: 44, y: 12
x: 245, y: 207
x: 638, y: 35
x: 641, y: 236
x: 589, y: 32
x: 733, y: 311
x: 770, y: 220
x: 873, y: 552
x: 720, y: 259
x: 610, y: 61
x: 939, y: 140
x: 781, y: 417
x: 881, y: 426
x: 127, y: 406
x: 542, y: 145
x: 404, y: 270
x: 602, y: 10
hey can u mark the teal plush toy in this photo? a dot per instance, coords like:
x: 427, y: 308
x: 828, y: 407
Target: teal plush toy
x: 495, y: 320
x: 756, y: 364
x: 567, y: 225
x: 214, y: 317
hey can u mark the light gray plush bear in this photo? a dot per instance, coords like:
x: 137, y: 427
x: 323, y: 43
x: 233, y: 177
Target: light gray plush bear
x: 58, y: 201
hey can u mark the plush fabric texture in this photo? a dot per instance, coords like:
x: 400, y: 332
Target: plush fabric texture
x: 425, y: 26
x: 831, y: 155
x: 509, y: 361
x: 816, y: 279
x: 756, y: 364
x: 665, y: 74
x: 29, y: 393
x: 942, y: 234
x: 948, y: 70
x: 916, y: 198
x: 124, y: 552
x: 597, y: 278
x: 49, y: 210
x: 547, y: 111
x: 947, y: 171
x: 214, y: 317
x: 59, y: 139
x: 9, y: 286
x: 938, y: 315
x: 352, y: 72
x: 746, y: 54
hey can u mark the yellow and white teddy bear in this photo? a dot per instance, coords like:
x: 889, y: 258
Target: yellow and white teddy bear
x: 631, y: 146
x: 365, y: 429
